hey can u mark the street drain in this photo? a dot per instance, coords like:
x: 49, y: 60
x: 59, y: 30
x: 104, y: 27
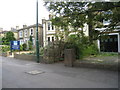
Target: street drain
x: 35, y: 72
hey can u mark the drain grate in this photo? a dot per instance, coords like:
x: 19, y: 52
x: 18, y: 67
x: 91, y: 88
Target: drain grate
x: 35, y: 72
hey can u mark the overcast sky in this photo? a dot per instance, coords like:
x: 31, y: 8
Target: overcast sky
x: 18, y: 12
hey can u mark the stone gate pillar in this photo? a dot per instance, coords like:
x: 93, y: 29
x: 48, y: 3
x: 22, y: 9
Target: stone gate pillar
x: 69, y: 57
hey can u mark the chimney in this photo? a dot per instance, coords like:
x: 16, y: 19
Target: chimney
x: 17, y: 27
x: 24, y: 26
x: 43, y: 21
x: 1, y: 29
x: 50, y: 16
x: 12, y: 28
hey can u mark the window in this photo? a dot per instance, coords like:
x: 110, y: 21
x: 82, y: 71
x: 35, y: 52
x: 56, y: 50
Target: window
x: 52, y: 27
x: 115, y: 39
x: 26, y: 33
x: 111, y: 40
x: 106, y: 40
x: 21, y: 42
x: 48, y: 39
x: 48, y: 25
x: 31, y: 32
x: 52, y: 39
x: 33, y: 41
x: 21, y: 34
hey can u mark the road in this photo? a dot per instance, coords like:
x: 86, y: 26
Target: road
x: 55, y: 76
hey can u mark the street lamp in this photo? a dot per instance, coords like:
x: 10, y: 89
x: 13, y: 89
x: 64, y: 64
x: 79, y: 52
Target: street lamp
x: 37, y: 41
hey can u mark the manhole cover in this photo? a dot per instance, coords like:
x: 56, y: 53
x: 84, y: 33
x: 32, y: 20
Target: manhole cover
x: 35, y: 72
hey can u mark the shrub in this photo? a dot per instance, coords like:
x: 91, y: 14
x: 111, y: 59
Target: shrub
x: 30, y: 45
x: 21, y: 47
x: 41, y: 51
x: 24, y: 47
x: 5, y: 48
x: 81, y: 45
x: 90, y: 50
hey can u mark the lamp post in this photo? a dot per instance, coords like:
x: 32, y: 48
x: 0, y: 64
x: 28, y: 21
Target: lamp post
x: 37, y: 41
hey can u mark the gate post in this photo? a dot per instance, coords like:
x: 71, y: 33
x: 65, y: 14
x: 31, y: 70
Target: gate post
x: 69, y: 57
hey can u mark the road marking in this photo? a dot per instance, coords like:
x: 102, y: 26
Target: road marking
x: 33, y: 64
x: 35, y: 72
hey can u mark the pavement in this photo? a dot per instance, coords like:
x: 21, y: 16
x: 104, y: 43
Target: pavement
x: 55, y: 76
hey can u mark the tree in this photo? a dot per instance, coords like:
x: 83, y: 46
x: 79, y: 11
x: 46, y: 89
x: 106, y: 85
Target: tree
x: 92, y: 13
x: 24, y: 47
x: 30, y: 43
x: 8, y: 37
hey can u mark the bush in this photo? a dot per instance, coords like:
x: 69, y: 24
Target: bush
x: 5, y: 48
x: 21, y: 48
x: 24, y: 47
x: 90, y: 50
x: 81, y: 45
x: 30, y: 45
x: 41, y: 51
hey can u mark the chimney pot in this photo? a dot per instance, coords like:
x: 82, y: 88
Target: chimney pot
x: 17, y: 27
x: 24, y: 26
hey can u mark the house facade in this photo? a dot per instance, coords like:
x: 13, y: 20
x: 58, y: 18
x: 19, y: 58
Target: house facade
x: 3, y: 33
x: 27, y: 31
x: 50, y: 31
x: 14, y: 30
x: 112, y: 43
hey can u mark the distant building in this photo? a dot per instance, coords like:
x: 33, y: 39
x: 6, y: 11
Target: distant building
x: 27, y: 31
x: 3, y: 33
x: 1, y: 29
x: 14, y: 30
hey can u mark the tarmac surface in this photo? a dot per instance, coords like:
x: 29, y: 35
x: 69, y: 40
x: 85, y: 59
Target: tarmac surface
x: 54, y: 75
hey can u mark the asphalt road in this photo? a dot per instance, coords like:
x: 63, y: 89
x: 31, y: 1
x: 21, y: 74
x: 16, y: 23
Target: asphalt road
x: 55, y: 76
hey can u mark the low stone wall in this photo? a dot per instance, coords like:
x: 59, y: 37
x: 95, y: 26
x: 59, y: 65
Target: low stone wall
x: 95, y: 65
x: 5, y: 54
x: 25, y: 57
x: 31, y: 58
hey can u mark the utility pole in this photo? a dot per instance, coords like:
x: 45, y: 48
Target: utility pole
x: 37, y: 41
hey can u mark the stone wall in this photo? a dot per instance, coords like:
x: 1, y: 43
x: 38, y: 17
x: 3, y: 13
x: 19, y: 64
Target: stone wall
x: 5, y: 54
x: 32, y: 58
x: 25, y: 57
x: 95, y: 66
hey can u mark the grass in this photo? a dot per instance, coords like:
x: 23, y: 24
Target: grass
x: 107, y: 54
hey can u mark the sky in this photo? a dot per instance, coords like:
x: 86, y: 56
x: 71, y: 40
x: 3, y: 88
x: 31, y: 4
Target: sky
x: 20, y: 12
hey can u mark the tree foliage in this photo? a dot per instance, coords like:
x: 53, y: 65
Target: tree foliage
x: 8, y: 37
x: 30, y: 43
x: 77, y: 14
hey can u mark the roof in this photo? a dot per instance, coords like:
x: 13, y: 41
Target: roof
x: 39, y: 25
x: 3, y: 32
